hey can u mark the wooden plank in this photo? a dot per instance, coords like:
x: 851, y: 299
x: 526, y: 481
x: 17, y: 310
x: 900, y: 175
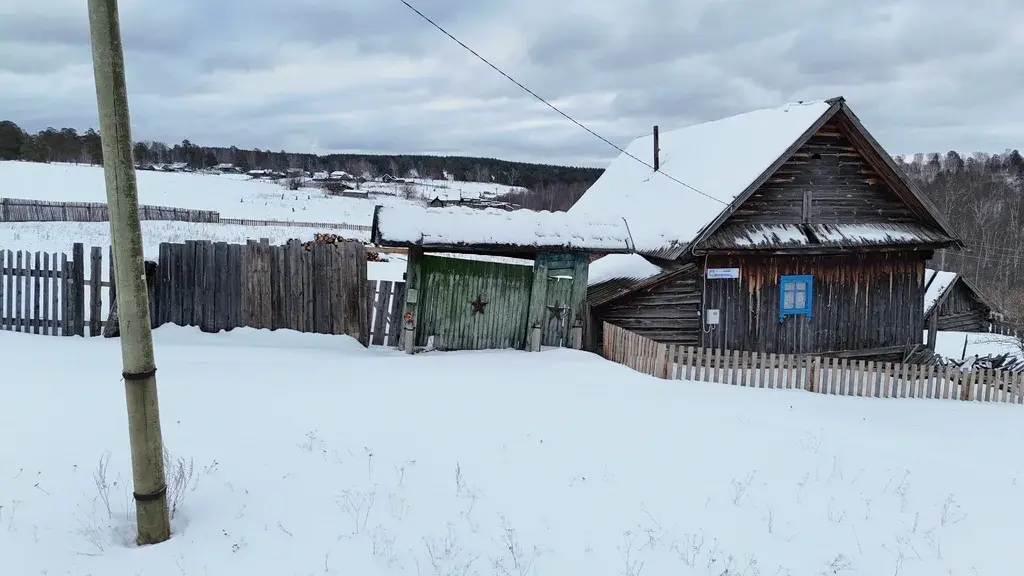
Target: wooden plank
x: 698, y: 365
x: 210, y: 287
x: 66, y: 324
x: 9, y: 323
x: 321, y: 290
x: 336, y: 268
x: 26, y: 275
x: 18, y: 293
x: 3, y: 275
x: 293, y: 285
x: 395, y: 314
x: 37, y: 270
x: 112, y: 281
x: 43, y: 313
x: 95, y: 291
x: 380, y: 314
x: 219, y: 277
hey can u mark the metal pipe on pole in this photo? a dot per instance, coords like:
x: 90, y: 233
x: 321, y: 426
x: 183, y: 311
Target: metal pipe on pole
x: 139, y: 368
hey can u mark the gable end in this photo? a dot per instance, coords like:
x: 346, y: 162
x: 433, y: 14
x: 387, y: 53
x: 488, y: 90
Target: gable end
x: 834, y: 191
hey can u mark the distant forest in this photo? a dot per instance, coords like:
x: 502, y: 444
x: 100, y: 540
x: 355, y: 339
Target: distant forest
x: 981, y: 195
x: 551, y: 187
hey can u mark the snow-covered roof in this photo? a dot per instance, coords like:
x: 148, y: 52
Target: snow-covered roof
x: 720, y: 159
x: 937, y: 282
x: 621, y: 267
x: 460, y: 226
x: 769, y: 236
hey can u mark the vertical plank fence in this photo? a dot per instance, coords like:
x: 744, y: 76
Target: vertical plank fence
x: 215, y: 286
x: 823, y: 375
x: 212, y: 285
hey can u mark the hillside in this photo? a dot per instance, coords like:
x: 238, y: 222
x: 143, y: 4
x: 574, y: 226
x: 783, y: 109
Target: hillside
x: 549, y: 182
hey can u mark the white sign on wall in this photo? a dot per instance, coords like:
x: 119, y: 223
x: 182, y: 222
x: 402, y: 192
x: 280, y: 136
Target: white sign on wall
x: 722, y: 273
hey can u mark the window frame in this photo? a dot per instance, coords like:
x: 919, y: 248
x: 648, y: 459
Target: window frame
x: 793, y: 280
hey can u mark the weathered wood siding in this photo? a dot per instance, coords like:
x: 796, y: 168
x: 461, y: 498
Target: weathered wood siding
x: 860, y: 302
x: 450, y: 285
x: 962, y: 312
x: 842, y: 188
x: 668, y: 313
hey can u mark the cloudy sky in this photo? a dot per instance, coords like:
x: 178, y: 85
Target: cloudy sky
x: 370, y: 75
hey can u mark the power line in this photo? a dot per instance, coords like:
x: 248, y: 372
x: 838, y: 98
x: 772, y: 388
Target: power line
x: 552, y: 106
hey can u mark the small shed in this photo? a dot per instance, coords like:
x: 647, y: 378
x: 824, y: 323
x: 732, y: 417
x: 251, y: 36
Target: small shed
x: 482, y: 279
x: 953, y: 303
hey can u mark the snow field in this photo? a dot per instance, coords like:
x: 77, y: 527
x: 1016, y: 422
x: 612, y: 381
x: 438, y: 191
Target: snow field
x: 233, y: 196
x: 311, y: 455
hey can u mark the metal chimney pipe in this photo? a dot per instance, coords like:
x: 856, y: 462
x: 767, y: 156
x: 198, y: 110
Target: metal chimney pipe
x: 657, y: 163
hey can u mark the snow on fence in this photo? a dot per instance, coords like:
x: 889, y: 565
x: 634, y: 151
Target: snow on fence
x: 824, y: 375
x: 291, y: 224
x: 23, y: 210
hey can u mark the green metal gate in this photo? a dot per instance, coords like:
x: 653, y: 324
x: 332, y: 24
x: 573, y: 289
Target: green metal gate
x: 473, y: 305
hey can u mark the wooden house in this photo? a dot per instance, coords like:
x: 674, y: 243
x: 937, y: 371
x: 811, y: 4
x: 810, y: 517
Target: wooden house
x: 479, y: 279
x: 953, y: 303
x: 786, y: 230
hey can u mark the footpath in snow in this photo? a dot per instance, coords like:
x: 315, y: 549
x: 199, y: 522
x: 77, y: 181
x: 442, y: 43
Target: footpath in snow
x: 306, y: 454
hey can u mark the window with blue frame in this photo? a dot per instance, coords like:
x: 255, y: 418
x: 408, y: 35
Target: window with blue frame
x: 795, y: 296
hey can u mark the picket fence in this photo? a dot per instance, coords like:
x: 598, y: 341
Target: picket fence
x: 824, y: 375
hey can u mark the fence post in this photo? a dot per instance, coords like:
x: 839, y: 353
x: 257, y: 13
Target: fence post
x: 78, y: 289
x: 661, y: 362
x: 576, y: 335
x: 95, y: 291
x: 813, y: 375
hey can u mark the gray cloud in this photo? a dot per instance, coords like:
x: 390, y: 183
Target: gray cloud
x: 369, y: 75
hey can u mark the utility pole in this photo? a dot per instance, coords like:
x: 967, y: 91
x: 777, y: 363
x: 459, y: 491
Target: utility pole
x: 139, y: 373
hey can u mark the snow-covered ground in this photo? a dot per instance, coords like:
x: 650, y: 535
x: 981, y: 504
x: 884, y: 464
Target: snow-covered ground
x: 233, y: 196
x: 951, y: 345
x: 310, y: 455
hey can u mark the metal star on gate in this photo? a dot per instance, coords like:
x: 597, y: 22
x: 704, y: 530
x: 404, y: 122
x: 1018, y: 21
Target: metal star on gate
x: 478, y: 305
x: 557, y: 311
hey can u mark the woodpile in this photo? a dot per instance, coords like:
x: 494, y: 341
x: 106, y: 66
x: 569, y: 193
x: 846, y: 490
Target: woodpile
x: 327, y: 238
x: 1006, y: 362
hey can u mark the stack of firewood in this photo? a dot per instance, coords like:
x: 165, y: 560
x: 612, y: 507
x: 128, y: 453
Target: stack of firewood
x: 326, y: 238
x: 1005, y: 362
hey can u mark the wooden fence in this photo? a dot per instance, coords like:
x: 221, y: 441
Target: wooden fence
x: 291, y: 224
x: 214, y: 286
x: 217, y: 286
x: 22, y: 210
x: 48, y: 293
x: 840, y: 376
